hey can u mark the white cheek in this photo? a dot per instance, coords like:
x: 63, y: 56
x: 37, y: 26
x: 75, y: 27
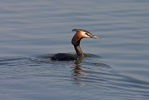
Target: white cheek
x: 84, y: 35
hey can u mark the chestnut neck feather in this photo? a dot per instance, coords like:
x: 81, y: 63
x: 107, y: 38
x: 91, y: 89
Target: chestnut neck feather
x: 76, y: 42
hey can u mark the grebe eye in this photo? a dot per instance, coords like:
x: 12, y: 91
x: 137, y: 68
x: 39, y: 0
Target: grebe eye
x: 87, y: 34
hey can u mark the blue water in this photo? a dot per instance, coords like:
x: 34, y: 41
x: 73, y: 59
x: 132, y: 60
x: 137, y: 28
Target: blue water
x: 117, y: 67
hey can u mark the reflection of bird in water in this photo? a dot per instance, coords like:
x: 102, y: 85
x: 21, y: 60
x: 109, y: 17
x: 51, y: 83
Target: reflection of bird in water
x: 80, y: 33
x: 78, y: 74
x: 77, y: 67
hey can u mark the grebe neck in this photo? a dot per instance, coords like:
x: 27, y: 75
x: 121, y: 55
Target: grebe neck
x: 78, y: 50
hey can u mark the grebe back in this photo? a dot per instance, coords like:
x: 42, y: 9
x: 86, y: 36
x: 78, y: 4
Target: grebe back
x: 80, y: 34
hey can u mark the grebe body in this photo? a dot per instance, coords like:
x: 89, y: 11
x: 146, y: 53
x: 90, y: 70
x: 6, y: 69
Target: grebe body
x: 64, y: 57
x: 80, y: 34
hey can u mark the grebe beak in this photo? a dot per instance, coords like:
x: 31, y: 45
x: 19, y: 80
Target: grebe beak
x: 94, y: 37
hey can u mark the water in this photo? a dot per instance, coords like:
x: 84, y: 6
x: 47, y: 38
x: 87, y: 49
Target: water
x: 117, y: 66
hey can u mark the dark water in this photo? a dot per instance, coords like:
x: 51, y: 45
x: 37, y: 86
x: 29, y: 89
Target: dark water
x: 117, y: 67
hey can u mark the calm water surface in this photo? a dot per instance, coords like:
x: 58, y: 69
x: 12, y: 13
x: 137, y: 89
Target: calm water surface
x: 117, y: 67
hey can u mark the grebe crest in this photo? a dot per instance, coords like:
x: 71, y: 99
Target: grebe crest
x: 80, y: 33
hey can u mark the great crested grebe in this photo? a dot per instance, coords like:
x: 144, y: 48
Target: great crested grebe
x: 80, y: 33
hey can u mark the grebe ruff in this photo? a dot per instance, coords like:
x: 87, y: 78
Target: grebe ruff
x: 80, y: 34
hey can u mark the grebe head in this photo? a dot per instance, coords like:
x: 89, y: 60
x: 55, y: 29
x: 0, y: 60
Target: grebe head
x: 81, y: 33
